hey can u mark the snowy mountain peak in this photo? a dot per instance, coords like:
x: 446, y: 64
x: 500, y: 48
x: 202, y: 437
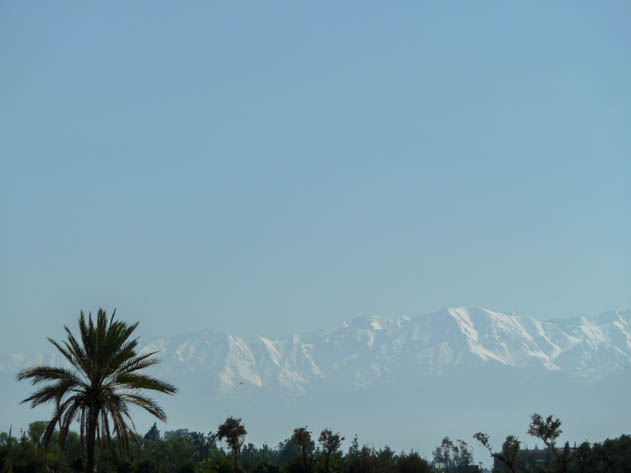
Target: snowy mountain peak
x: 371, y: 349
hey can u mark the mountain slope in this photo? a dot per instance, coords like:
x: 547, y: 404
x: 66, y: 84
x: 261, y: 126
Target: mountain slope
x: 368, y: 349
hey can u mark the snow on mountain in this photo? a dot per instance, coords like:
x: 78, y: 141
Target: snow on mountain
x: 370, y: 349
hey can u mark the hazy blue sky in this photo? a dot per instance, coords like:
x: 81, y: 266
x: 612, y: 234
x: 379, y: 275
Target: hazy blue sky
x: 270, y: 167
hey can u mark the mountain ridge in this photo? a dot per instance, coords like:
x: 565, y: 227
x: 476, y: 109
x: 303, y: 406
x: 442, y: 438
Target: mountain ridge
x: 366, y: 348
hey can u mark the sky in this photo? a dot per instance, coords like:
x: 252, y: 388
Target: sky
x: 274, y: 167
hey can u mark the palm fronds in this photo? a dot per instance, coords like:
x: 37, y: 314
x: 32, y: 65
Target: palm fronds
x: 105, y: 380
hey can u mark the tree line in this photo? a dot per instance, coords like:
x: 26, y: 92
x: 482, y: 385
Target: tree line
x: 107, y: 376
x: 610, y: 456
x: 221, y: 451
x: 225, y: 450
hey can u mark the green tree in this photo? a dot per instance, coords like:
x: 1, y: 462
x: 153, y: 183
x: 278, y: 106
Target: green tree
x: 36, y: 432
x: 412, y: 463
x: 187, y: 468
x: 179, y: 451
x: 104, y: 380
x: 445, y: 455
x: 510, y: 450
x: 548, y: 431
x: 464, y: 457
x: 234, y: 432
x: 148, y: 465
x: 584, y: 457
x: 153, y: 433
x: 302, y: 438
x: 331, y: 444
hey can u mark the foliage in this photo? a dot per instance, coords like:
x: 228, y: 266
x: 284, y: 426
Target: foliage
x: 233, y: 431
x: 451, y: 457
x: 104, y: 380
x: 510, y: 450
x: 331, y: 444
x: 548, y: 431
x: 302, y: 438
x: 180, y: 454
x: 153, y: 433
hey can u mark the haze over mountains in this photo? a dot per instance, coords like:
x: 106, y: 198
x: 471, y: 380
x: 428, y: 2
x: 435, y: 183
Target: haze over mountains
x: 405, y: 381
x: 371, y: 349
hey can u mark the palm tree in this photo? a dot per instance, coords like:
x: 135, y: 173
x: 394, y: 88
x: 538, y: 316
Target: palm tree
x: 234, y: 432
x: 103, y: 381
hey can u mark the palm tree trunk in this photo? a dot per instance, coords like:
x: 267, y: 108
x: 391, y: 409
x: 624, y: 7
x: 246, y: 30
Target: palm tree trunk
x: 235, y: 461
x: 326, y: 462
x: 90, y: 441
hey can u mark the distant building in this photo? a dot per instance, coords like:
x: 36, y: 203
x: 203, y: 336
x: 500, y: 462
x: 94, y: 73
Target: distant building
x: 176, y: 433
x: 532, y: 458
x: 438, y: 466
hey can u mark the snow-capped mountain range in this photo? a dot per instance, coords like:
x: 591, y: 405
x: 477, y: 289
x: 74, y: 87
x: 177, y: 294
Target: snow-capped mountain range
x: 369, y: 349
